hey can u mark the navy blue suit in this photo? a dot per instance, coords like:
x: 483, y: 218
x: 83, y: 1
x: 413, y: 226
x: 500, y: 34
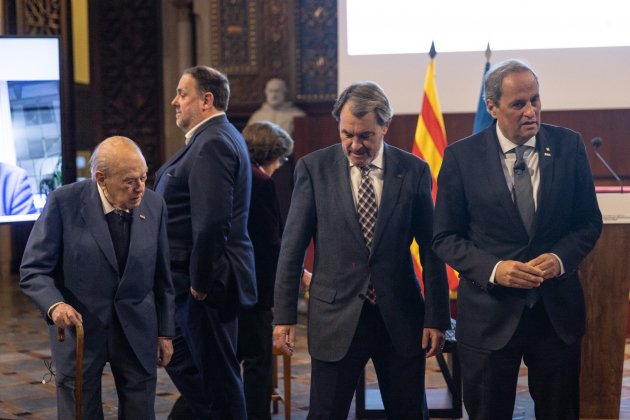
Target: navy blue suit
x: 207, y: 186
x: 70, y: 257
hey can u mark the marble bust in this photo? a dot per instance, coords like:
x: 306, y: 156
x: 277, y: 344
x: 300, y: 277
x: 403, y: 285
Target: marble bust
x: 276, y: 107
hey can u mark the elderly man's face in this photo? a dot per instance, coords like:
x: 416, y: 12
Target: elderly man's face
x: 518, y: 110
x: 361, y: 138
x: 124, y: 185
x: 275, y: 93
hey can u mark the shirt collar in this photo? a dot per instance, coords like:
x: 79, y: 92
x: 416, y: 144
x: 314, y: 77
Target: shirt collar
x: 107, y: 207
x: 191, y: 132
x: 507, y: 145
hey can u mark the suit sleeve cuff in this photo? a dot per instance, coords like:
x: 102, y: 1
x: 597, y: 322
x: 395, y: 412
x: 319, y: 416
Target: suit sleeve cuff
x: 53, y: 306
x: 561, y: 265
x: 494, y: 272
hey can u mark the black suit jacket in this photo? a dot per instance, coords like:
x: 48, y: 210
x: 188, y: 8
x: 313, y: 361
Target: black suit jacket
x: 322, y: 209
x: 477, y: 225
x: 265, y: 229
x: 207, y: 186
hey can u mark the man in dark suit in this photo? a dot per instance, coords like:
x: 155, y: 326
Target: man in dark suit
x: 363, y: 202
x: 98, y: 256
x: 516, y: 222
x: 206, y: 186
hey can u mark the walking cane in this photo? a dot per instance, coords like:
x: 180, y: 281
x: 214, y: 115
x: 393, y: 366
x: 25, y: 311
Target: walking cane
x: 78, y: 383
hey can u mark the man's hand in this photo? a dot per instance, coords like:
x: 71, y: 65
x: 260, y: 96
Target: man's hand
x: 549, y: 265
x: 519, y: 275
x: 164, y: 351
x: 435, y: 338
x: 64, y: 316
x: 284, y: 338
x: 198, y: 295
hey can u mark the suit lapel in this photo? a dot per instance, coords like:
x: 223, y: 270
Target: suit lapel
x: 177, y: 156
x: 182, y: 151
x: 496, y: 178
x: 393, y: 176
x: 344, y: 198
x: 138, y: 234
x: 94, y: 219
x: 546, y: 158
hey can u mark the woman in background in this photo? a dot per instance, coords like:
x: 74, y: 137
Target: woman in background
x: 268, y: 146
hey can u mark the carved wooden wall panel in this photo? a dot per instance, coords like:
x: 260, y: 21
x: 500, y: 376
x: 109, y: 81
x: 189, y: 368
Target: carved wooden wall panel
x: 255, y: 40
x: 39, y: 17
x: 317, y: 68
x: 126, y: 73
x: 251, y: 41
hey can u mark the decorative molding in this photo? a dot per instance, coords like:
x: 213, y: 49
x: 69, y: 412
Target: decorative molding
x: 39, y: 17
x: 317, y: 51
x: 233, y: 39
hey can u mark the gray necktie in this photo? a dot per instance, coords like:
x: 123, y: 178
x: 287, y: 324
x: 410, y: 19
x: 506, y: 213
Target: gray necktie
x: 523, y: 191
x: 524, y: 198
x: 368, y: 211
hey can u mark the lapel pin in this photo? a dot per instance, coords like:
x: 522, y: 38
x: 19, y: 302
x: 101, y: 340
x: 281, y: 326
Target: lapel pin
x: 547, y: 151
x: 142, y: 216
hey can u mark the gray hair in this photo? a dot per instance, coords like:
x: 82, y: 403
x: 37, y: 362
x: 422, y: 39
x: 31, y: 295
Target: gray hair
x: 104, y: 155
x: 213, y: 81
x: 267, y: 142
x: 498, y: 72
x: 363, y: 98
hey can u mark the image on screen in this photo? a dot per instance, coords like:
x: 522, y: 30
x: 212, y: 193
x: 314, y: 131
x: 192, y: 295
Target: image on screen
x: 30, y: 126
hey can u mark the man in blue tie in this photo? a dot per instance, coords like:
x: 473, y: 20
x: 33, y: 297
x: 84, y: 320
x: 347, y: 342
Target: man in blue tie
x: 516, y: 213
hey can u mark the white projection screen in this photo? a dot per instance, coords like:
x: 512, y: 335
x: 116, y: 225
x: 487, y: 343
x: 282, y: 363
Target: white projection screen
x: 580, y: 49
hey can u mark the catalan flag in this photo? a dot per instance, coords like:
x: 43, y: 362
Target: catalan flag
x: 429, y: 144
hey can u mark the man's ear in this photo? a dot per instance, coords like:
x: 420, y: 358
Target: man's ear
x: 100, y: 178
x: 385, y: 127
x: 491, y: 108
x: 208, y: 100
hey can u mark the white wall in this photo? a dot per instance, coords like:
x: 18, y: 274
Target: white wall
x: 580, y: 78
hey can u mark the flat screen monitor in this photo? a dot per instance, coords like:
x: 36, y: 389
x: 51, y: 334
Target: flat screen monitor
x: 30, y: 125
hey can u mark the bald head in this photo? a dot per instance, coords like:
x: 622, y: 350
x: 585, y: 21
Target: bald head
x: 119, y: 168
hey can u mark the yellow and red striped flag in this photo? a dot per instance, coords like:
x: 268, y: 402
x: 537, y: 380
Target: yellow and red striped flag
x: 429, y: 144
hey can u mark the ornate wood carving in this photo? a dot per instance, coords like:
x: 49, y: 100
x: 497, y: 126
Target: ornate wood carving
x: 39, y: 17
x: 275, y: 58
x: 233, y: 43
x: 317, y: 65
x: 126, y: 73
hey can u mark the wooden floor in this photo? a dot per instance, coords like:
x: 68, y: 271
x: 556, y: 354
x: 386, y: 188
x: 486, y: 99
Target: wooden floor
x: 24, y: 350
